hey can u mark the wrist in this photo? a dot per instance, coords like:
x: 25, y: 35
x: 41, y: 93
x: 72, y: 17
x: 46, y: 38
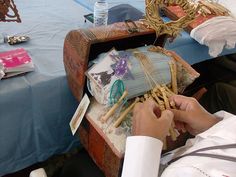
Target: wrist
x: 212, y: 120
x: 144, y: 137
x: 148, y: 135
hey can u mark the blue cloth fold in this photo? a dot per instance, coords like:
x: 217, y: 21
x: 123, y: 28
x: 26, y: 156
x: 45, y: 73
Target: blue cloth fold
x: 123, y: 12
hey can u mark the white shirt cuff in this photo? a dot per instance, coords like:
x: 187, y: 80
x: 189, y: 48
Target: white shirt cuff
x: 142, y: 157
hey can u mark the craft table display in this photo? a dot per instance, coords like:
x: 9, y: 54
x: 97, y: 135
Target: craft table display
x: 106, y: 149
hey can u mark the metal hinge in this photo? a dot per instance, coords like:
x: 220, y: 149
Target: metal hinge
x: 131, y: 26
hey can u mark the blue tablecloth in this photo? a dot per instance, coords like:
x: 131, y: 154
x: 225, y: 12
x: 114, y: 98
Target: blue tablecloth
x: 35, y: 109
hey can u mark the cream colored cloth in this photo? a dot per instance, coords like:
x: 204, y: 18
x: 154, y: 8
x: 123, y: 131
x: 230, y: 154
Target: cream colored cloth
x: 217, y: 33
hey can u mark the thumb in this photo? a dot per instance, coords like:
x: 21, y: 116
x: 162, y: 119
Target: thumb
x: 181, y: 116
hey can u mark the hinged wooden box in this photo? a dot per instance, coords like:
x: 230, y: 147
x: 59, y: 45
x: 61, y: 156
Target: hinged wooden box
x: 83, y: 45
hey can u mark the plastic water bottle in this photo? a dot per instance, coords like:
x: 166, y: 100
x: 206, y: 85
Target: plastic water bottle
x: 100, y: 13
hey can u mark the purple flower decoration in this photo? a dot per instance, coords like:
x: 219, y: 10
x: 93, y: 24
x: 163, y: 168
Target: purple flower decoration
x: 121, y: 65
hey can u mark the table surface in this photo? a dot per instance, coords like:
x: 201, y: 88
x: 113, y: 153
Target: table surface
x: 35, y: 108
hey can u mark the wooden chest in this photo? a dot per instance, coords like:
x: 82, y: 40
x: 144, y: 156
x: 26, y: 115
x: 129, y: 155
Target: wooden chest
x: 81, y: 46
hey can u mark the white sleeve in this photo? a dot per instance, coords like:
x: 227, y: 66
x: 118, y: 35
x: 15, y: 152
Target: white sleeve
x: 225, y: 129
x: 142, y: 157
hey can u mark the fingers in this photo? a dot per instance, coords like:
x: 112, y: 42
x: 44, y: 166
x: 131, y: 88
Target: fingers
x: 150, y: 104
x: 179, y: 101
x: 138, y: 106
x: 146, y: 123
x: 181, y: 116
x: 183, y: 102
x: 136, y: 115
x: 167, y: 116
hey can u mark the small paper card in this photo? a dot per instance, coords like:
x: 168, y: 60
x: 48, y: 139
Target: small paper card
x: 102, y: 73
x: 79, y: 114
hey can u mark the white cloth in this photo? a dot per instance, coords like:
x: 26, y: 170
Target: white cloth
x: 216, y: 33
x: 140, y: 155
x: 38, y: 173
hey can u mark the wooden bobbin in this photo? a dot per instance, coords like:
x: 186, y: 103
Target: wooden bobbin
x: 172, y: 132
x: 164, y: 144
x: 142, y: 99
x: 160, y: 102
x: 172, y: 105
x: 168, y: 91
x: 167, y: 106
x: 125, y: 113
x: 146, y: 96
x: 114, y: 108
x: 166, y: 101
x: 173, y: 71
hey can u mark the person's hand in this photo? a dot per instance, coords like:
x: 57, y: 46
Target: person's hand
x: 148, y: 120
x: 193, y: 116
